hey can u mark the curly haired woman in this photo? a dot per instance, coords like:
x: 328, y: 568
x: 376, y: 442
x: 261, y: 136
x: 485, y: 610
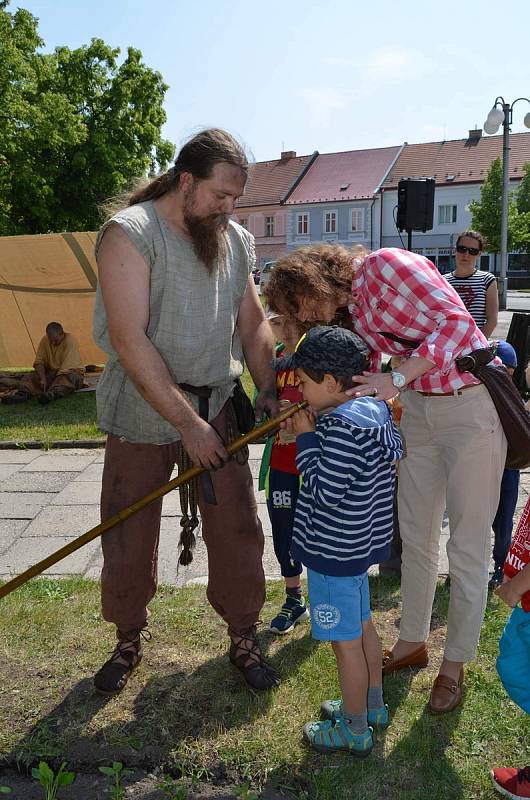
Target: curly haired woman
x: 455, y: 446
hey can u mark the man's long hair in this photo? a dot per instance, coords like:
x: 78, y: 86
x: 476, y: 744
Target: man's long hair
x: 198, y: 156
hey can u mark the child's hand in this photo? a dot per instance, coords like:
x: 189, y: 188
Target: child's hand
x: 508, y: 593
x: 307, y: 417
x: 302, y: 422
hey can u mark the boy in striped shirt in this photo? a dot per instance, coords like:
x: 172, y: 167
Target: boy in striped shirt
x: 346, y: 452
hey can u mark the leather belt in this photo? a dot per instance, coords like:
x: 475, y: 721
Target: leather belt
x: 203, y: 393
x: 448, y: 394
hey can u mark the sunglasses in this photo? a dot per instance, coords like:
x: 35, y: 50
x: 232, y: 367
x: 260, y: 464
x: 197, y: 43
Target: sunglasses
x: 473, y: 251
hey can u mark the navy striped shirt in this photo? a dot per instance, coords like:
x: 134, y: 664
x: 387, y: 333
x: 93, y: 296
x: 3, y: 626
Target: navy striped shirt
x: 344, y: 521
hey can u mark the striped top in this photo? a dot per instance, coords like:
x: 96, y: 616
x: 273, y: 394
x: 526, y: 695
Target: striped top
x: 343, y: 520
x: 472, y: 290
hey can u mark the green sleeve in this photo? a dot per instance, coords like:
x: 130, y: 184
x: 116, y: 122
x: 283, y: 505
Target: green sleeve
x: 266, y: 457
x: 265, y: 462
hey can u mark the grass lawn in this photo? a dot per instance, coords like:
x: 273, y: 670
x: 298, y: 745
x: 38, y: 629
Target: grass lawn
x: 187, y: 711
x: 73, y: 418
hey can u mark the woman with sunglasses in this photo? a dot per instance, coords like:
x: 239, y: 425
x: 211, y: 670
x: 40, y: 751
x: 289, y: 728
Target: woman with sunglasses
x: 477, y: 289
x: 455, y: 446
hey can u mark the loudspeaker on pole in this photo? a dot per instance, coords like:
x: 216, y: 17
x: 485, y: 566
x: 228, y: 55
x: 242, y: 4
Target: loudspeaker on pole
x: 415, y: 210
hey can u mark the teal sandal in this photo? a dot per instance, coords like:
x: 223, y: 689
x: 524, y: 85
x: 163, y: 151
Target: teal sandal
x: 377, y: 717
x: 332, y: 735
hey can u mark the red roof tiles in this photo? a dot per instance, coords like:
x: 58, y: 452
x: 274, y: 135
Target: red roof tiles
x: 269, y: 181
x: 465, y: 159
x: 351, y: 175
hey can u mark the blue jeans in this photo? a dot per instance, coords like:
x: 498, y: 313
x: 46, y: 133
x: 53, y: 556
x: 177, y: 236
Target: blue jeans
x: 503, y: 522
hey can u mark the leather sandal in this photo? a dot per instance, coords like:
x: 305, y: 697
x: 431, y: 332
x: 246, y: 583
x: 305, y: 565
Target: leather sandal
x: 113, y: 675
x: 417, y: 658
x: 245, y: 654
x: 446, y: 694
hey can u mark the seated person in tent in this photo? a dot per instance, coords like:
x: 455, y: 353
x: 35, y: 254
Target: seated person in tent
x: 58, y: 369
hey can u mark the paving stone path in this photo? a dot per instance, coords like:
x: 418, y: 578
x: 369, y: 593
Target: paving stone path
x: 49, y: 498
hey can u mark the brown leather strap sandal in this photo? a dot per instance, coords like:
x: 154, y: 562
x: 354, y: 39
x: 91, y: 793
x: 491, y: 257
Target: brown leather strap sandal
x: 114, y: 674
x: 245, y: 654
x: 446, y: 693
x: 417, y: 658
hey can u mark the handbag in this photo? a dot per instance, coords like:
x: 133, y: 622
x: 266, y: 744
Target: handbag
x: 243, y: 409
x: 514, y: 417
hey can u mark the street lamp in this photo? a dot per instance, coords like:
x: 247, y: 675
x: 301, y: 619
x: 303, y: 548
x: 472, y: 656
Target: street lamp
x: 501, y: 114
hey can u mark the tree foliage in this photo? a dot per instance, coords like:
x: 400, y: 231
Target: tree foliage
x: 487, y: 212
x: 521, y: 217
x: 76, y: 126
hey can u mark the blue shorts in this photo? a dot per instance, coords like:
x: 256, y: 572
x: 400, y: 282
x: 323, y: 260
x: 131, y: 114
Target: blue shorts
x: 339, y: 606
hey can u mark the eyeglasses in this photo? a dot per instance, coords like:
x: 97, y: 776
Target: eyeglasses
x: 473, y: 251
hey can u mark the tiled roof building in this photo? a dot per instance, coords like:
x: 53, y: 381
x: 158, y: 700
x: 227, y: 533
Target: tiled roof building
x: 270, y: 181
x: 350, y: 175
x: 260, y: 208
x: 459, y: 160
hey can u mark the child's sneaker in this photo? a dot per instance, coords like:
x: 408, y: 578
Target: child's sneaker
x: 292, y: 612
x: 377, y: 717
x: 512, y: 782
x: 334, y: 734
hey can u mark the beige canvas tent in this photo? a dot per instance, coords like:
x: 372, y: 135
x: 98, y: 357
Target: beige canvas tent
x: 46, y: 278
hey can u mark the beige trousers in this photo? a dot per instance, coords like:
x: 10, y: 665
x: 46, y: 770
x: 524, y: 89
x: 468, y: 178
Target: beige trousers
x: 455, y: 455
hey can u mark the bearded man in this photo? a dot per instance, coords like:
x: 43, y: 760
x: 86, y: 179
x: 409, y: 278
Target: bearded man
x: 176, y: 311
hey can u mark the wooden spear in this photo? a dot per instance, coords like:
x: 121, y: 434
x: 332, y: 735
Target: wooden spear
x: 93, y: 533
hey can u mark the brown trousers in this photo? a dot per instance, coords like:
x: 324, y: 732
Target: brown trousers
x: 60, y: 385
x: 231, y: 531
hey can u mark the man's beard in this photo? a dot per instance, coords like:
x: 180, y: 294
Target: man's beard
x: 208, y: 234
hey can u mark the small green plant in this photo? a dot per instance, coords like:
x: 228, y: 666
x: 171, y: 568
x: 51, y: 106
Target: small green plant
x: 245, y: 793
x: 117, y: 771
x: 173, y: 790
x: 40, y: 744
x: 5, y: 789
x: 51, y: 782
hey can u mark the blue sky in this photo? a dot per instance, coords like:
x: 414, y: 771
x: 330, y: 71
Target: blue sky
x: 305, y: 76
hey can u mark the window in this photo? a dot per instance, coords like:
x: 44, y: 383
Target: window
x: 357, y: 220
x: 446, y: 215
x: 269, y: 226
x: 302, y: 224
x: 519, y: 263
x: 330, y: 222
x: 445, y: 260
x: 244, y: 222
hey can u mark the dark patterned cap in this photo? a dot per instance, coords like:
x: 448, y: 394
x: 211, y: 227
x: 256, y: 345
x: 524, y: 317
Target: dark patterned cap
x: 328, y: 349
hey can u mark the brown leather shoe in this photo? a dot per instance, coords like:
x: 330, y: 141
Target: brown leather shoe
x: 417, y: 658
x: 446, y: 695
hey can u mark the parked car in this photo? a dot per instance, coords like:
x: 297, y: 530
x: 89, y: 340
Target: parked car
x: 266, y: 273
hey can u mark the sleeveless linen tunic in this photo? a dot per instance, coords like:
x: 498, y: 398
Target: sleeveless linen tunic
x: 192, y: 323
